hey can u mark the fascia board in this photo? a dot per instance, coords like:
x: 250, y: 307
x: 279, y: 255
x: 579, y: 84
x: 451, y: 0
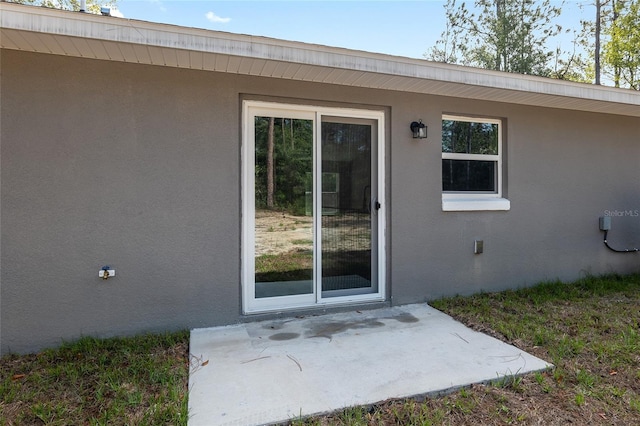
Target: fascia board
x: 458, y: 80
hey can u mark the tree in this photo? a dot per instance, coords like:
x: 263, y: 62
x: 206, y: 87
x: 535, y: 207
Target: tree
x: 504, y: 35
x: 613, y: 43
x: 621, y: 53
x: 603, y: 15
x: 270, y: 165
x: 572, y: 65
x: 92, y: 6
x: 598, y: 33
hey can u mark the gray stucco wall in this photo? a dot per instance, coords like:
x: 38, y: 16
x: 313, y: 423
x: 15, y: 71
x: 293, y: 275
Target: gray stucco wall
x: 138, y: 167
x: 123, y: 166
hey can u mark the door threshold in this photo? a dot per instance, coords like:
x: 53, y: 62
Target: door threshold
x: 314, y: 310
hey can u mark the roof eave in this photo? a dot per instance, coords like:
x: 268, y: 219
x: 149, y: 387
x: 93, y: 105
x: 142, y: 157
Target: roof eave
x: 85, y: 35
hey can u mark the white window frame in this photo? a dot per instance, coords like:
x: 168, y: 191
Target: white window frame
x: 474, y: 200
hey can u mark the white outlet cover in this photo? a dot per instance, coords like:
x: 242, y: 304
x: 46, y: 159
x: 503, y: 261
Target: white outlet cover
x: 111, y: 272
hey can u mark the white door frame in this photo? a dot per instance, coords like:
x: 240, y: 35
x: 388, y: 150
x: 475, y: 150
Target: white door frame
x: 252, y: 109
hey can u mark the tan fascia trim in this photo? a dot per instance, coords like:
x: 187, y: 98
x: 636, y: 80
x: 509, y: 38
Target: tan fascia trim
x: 347, y: 66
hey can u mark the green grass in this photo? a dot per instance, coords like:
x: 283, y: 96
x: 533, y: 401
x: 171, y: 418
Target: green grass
x: 140, y: 380
x: 303, y: 242
x: 589, y: 329
x: 293, y: 265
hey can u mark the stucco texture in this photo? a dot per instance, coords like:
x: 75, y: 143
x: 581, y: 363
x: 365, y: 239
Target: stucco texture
x: 138, y: 167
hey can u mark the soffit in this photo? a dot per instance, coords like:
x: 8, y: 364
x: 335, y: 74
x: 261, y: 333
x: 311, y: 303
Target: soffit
x: 37, y: 29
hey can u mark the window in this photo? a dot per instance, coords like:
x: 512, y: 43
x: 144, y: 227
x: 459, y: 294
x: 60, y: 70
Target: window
x: 472, y: 164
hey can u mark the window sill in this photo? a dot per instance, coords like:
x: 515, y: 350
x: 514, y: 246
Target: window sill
x: 475, y: 204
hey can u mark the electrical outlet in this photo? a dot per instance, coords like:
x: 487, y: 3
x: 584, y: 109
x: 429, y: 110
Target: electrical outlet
x: 110, y: 272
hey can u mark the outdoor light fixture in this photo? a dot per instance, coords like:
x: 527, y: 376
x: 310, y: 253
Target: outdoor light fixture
x: 419, y: 130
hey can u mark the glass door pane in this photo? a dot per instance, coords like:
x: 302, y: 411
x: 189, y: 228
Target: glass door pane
x: 283, y: 207
x: 346, y: 206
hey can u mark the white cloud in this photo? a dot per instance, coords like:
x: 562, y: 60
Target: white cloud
x: 212, y: 17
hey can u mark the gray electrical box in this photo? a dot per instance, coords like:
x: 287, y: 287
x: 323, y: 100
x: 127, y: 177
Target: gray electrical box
x: 605, y: 223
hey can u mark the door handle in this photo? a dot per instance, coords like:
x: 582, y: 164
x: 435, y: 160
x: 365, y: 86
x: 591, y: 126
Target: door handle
x: 375, y: 206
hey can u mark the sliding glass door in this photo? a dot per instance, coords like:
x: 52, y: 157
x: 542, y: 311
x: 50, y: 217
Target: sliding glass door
x: 312, y: 206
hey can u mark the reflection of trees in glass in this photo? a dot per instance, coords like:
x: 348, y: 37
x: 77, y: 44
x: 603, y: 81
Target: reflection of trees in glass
x: 463, y: 137
x: 470, y: 155
x: 346, y: 166
x: 291, y: 163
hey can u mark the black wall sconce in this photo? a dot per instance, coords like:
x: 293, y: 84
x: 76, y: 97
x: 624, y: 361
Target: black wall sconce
x: 419, y: 130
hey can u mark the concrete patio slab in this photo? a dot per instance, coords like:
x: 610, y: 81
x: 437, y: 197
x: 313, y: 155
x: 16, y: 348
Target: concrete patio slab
x: 273, y: 371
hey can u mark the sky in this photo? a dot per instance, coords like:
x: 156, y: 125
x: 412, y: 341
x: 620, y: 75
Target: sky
x: 401, y: 28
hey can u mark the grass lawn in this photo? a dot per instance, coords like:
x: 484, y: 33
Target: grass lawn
x: 122, y: 381
x: 590, y: 330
